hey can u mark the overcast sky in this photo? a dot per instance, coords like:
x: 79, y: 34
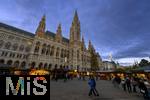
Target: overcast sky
x: 119, y: 27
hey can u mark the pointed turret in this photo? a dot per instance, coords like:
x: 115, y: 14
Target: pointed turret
x: 76, y: 19
x: 41, y: 28
x: 89, y: 45
x: 82, y: 39
x: 58, y: 34
x: 75, y: 29
x: 83, y: 44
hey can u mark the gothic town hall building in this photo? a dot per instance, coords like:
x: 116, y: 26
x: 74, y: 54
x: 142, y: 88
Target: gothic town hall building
x: 44, y: 49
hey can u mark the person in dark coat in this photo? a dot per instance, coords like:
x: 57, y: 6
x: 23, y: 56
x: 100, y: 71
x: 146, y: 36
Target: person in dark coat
x: 128, y: 83
x: 143, y: 89
x: 92, y: 84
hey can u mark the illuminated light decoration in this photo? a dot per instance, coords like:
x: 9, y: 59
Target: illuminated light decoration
x: 88, y: 73
x: 17, y: 72
x: 75, y: 70
x: 38, y: 72
x: 40, y: 78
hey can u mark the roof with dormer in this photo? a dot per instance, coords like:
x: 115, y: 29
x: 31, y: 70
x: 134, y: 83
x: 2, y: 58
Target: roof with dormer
x: 49, y: 33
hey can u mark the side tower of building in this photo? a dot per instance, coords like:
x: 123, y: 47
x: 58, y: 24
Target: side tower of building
x: 74, y: 43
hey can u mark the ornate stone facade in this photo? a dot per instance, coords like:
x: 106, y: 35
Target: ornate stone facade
x: 44, y: 49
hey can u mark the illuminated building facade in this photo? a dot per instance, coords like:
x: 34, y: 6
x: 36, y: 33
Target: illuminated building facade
x: 44, y: 49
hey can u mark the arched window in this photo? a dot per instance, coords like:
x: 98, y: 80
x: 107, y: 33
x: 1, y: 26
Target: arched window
x: 27, y: 49
x: 57, y: 52
x: 21, y: 48
x: 15, y: 46
x: 7, y: 45
x: 9, y: 62
x: 62, y: 53
x: 37, y: 47
x: 1, y: 43
x: 43, y: 49
x: 52, y: 51
x: 48, y: 50
x: 16, y: 64
x: 40, y: 65
x: 6, y: 53
x: 33, y: 65
x: 23, y: 64
x: 49, y: 67
x: 45, y: 65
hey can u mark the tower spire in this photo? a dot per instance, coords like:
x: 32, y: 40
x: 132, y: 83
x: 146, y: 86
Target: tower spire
x: 75, y: 29
x: 41, y: 28
x: 75, y: 19
x: 58, y: 33
x: 83, y: 44
x: 89, y: 45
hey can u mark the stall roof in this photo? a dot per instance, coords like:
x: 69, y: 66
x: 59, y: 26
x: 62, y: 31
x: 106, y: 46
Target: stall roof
x: 144, y: 69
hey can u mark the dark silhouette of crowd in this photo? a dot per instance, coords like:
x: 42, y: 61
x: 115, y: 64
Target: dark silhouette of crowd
x: 61, y: 73
x: 132, y: 84
x: 128, y: 83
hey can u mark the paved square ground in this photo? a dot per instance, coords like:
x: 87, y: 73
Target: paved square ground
x: 78, y: 90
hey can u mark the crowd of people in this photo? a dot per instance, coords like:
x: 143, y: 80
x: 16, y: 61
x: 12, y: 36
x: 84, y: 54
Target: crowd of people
x: 63, y: 73
x: 133, y: 84
x: 66, y: 74
x: 130, y: 84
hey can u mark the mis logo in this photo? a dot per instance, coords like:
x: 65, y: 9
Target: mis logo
x: 31, y: 85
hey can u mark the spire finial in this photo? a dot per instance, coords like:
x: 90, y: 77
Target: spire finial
x: 76, y: 16
x: 59, y: 25
x: 41, y: 28
x: 76, y: 12
x: 75, y: 29
x: 44, y: 17
x: 59, y: 29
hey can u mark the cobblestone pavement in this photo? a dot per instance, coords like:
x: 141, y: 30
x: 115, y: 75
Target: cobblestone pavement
x: 78, y: 90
